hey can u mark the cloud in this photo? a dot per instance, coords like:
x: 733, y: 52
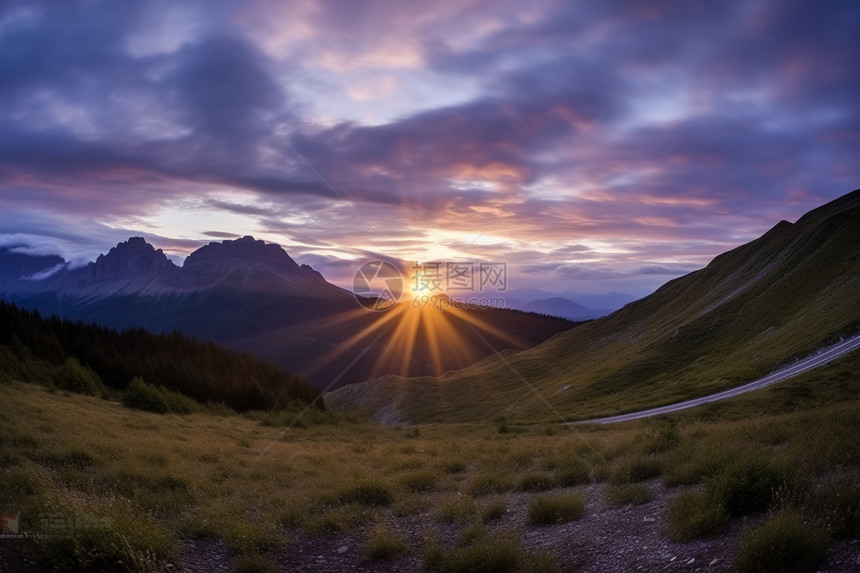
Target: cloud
x: 587, y: 140
x: 47, y: 273
x: 221, y: 235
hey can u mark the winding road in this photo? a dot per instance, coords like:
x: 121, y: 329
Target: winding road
x: 822, y: 357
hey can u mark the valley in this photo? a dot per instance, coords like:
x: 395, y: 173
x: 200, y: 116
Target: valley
x: 470, y: 470
x: 250, y: 296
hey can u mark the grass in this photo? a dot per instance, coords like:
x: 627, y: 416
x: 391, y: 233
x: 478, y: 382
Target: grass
x: 784, y: 543
x: 455, y: 509
x: 562, y: 508
x: 489, y: 483
x: 365, y: 492
x: 420, y: 481
x: 498, y: 553
x: 639, y: 468
x: 836, y: 505
x: 384, y: 544
x: 627, y: 494
x: 570, y: 470
x: 747, y: 485
x: 254, y: 485
x: 494, y: 510
x: 693, y: 515
x: 536, y: 482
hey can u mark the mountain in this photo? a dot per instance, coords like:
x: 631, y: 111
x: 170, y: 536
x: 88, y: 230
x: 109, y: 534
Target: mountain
x: 253, y: 297
x: 752, y: 309
x: 135, y: 267
x: 599, y: 304
x: 555, y: 306
x: 19, y: 269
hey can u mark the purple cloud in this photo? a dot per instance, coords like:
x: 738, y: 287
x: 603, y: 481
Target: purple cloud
x: 596, y: 142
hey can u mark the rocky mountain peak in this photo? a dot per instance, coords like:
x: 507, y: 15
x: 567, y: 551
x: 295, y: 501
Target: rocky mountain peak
x: 242, y: 252
x: 130, y: 259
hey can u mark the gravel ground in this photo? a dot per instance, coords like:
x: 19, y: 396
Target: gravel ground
x: 604, y: 539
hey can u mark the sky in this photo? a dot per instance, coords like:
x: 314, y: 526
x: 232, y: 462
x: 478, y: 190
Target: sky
x: 590, y: 146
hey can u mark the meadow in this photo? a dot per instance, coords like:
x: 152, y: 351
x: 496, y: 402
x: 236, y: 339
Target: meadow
x: 768, y: 477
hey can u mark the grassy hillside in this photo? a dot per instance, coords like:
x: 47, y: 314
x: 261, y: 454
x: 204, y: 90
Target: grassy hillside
x: 114, y: 489
x: 751, y: 309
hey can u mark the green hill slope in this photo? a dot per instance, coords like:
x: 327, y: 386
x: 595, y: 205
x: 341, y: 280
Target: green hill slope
x: 750, y: 310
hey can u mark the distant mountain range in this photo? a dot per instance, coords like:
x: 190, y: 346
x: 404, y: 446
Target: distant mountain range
x: 752, y: 309
x: 556, y: 306
x: 136, y: 268
x: 252, y: 296
x: 595, y: 305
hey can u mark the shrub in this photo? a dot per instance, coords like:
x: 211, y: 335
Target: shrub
x: 178, y: 403
x: 693, y: 515
x: 74, y: 377
x: 746, y: 486
x: 143, y: 396
x: 784, y: 543
x: 548, y: 510
x: 627, y: 494
x: 383, y: 544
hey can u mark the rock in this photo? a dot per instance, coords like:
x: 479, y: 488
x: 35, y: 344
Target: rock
x: 690, y: 562
x: 342, y: 550
x: 647, y: 519
x: 714, y: 562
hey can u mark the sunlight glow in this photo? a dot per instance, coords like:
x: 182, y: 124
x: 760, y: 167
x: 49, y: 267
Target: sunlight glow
x: 439, y: 326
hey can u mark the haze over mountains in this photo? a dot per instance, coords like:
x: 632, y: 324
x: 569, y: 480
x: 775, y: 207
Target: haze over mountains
x: 750, y: 310
x: 556, y: 306
x: 252, y: 296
